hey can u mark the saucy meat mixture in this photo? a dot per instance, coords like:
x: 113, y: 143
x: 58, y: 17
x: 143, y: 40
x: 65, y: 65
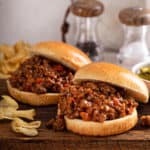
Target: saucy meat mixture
x: 41, y: 75
x: 92, y: 101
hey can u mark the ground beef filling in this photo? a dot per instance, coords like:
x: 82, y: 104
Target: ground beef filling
x: 93, y: 102
x: 41, y: 75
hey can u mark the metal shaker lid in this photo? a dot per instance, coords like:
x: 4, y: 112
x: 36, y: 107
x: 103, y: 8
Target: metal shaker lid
x: 87, y: 8
x: 135, y: 16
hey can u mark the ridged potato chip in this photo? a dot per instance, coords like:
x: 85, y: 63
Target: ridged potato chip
x: 12, y: 56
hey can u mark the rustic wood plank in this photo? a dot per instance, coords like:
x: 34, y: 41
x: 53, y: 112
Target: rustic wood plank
x: 137, y: 138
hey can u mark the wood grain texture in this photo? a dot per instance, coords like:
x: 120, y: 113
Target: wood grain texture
x: 137, y: 138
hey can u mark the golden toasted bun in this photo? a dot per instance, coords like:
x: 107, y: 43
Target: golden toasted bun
x: 110, y: 127
x: 115, y: 75
x: 32, y: 98
x: 63, y: 53
x: 60, y: 52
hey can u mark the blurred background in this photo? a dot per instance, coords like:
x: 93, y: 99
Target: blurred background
x: 38, y: 20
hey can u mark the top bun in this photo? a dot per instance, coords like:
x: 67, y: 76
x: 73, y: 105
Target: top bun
x: 63, y: 53
x: 114, y: 75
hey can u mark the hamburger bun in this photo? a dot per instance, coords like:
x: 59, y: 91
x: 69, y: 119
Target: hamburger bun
x: 60, y: 52
x: 117, y: 76
x: 66, y: 54
x: 110, y: 127
x: 32, y: 98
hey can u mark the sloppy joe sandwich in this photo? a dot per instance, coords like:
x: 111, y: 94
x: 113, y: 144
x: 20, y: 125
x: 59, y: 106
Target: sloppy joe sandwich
x: 40, y: 79
x: 101, y: 101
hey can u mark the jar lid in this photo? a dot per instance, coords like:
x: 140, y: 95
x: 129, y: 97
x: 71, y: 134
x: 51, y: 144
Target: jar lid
x: 135, y: 16
x: 87, y: 8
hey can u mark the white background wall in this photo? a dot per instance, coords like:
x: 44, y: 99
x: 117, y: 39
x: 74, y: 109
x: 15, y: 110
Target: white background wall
x: 36, y: 20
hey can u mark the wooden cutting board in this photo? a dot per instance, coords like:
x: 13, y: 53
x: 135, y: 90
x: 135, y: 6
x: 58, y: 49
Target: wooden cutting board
x: 137, y: 138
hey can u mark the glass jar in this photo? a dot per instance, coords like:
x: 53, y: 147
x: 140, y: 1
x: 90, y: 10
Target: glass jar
x: 135, y: 23
x: 86, y: 38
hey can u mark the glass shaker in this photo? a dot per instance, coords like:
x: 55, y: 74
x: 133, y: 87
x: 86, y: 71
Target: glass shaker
x: 86, y: 38
x: 135, y: 23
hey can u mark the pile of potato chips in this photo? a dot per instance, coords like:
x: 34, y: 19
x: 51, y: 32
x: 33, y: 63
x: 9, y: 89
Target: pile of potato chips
x: 12, y: 56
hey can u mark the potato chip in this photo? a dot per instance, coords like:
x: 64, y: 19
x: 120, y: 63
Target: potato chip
x: 18, y: 58
x: 4, y: 76
x: 12, y: 56
x: 12, y: 67
x: 20, y: 45
x: 7, y: 50
x: 1, y: 56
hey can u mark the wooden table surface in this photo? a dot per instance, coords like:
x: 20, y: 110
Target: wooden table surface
x: 137, y: 138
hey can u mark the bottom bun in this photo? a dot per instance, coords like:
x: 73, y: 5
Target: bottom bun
x: 110, y: 127
x: 33, y: 98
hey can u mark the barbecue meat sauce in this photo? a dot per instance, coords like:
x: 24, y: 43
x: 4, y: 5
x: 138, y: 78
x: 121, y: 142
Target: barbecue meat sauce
x: 92, y: 101
x: 41, y: 75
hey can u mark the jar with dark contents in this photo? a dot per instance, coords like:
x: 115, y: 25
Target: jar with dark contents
x: 87, y: 13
